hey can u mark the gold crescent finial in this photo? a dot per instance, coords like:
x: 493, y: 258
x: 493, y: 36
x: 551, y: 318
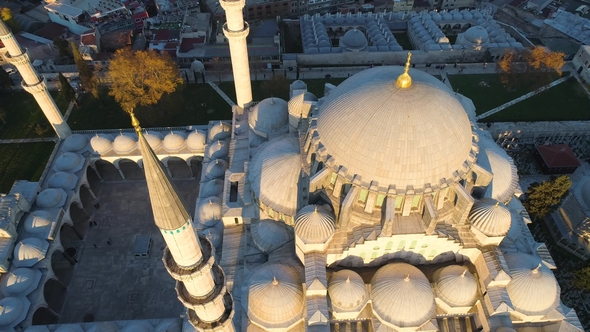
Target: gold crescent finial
x: 404, y: 80
x: 135, y: 124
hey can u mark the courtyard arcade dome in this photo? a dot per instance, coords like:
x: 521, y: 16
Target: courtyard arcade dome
x: 347, y: 290
x: 409, y: 136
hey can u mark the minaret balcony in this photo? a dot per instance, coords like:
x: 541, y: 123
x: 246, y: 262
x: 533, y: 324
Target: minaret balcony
x: 181, y: 273
x: 209, y: 307
x: 18, y: 60
x: 35, y: 88
x: 236, y: 35
x: 224, y: 323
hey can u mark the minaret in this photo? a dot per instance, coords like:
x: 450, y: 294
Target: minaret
x: 236, y: 31
x: 32, y: 83
x: 189, y: 259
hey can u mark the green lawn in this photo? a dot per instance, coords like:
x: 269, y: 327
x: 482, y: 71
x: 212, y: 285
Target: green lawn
x: 193, y: 104
x: 24, y: 161
x: 23, y: 114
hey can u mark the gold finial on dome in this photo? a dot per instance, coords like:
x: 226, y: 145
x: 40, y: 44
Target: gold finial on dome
x: 135, y: 124
x: 404, y: 80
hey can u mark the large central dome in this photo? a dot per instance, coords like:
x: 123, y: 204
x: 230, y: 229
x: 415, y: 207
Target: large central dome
x: 395, y: 136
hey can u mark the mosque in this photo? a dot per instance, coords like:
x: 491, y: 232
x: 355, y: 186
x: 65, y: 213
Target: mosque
x: 381, y: 206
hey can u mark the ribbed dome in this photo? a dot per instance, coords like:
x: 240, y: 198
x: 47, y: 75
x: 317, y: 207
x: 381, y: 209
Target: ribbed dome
x: 29, y: 252
x: 353, y: 40
x: 268, y: 235
x: 274, y: 174
x: 456, y: 286
x: 269, y: 116
x: 217, y: 150
x: 490, y: 217
x: 13, y: 310
x: 138, y: 327
x: 401, y: 295
x: 124, y: 144
x: 496, y: 161
x: 38, y: 222
x: 395, y: 136
x: 20, y: 282
x: 211, y: 188
x: 51, y: 198
x: 173, y: 142
x: 209, y: 211
x: 69, y: 162
x: 533, y: 289
x: 216, y: 169
x: 74, y: 143
x: 100, y: 144
x: 275, y: 297
x: 347, y: 291
x: 153, y: 139
x: 70, y: 328
x: 196, y: 141
x: 62, y: 180
x: 314, y: 225
x: 219, y: 131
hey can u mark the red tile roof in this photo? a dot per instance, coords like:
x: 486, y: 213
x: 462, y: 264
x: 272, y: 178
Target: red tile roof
x: 187, y: 44
x: 558, y: 155
x: 88, y: 38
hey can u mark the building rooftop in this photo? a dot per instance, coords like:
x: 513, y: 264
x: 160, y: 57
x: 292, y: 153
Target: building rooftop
x: 558, y: 155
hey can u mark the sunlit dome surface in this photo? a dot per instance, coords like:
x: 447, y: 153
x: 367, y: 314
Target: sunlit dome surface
x: 173, y: 142
x: 314, y: 224
x: 38, y: 222
x: 269, y: 116
x: 153, y: 139
x: 29, y: 252
x: 101, y: 144
x: 217, y: 150
x: 209, y: 210
x: 456, y: 286
x: 196, y: 141
x: 490, y: 217
x: 219, y: 131
x: 124, y: 144
x: 347, y: 291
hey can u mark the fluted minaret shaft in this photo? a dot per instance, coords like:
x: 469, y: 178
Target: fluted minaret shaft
x: 32, y: 83
x: 236, y: 31
x: 188, y: 259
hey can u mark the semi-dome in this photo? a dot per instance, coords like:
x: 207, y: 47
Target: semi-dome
x: 353, y: 40
x: 496, y: 161
x: 476, y: 35
x: 69, y: 162
x: 490, y: 217
x: 196, y: 141
x: 217, y: 150
x: 13, y: 310
x: 275, y: 296
x: 51, y: 198
x: 173, y: 142
x: 219, y: 131
x: 101, y: 144
x: 401, y: 295
x: 216, y: 169
x: 29, y: 252
x: 209, y: 211
x: 269, y: 116
x: 211, y: 188
x: 268, y: 235
x: 38, y: 222
x: 70, y: 328
x: 314, y: 225
x: 74, y: 143
x: 456, y: 286
x: 347, y: 291
x: 395, y: 136
x: 20, y: 281
x: 533, y: 289
x: 153, y: 139
x: 124, y: 144
x: 274, y: 174
x: 66, y: 181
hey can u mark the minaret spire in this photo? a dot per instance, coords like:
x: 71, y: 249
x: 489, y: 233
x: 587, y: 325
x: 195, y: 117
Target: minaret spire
x: 32, y: 83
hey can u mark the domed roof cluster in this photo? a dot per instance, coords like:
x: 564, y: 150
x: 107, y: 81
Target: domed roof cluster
x: 275, y: 296
x: 268, y: 235
x: 347, y: 291
x: 29, y: 251
x: 269, y: 116
x: 490, y: 217
x: 401, y: 295
x: 456, y: 286
x: 172, y: 142
x: 314, y: 225
x: 425, y: 150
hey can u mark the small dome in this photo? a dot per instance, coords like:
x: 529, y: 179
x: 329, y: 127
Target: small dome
x: 209, y: 211
x: 29, y: 252
x: 490, y: 217
x: 154, y: 140
x: 211, y: 188
x: 216, y: 169
x: 496, y: 161
x: 100, y: 144
x: 66, y: 181
x: 38, y: 222
x: 269, y: 235
x: 353, y: 40
x: 275, y: 296
x: 74, y: 143
x: 401, y: 295
x: 141, y: 326
x: 217, y: 150
x: 70, y: 328
x: 13, y: 310
x: 314, y: 225
x: 69, y: 162
x: 533, y: 289
x: 456, y: 286
x: 214, y: 235
x: 269, y: 116
x: 51, y: 198
x: 174, y: 142
x: 20, y: 282
x: 196, y: 141
x: 476, y: 35
x: 347, y: 291
x: 104, y: 327
x: 219, y: 131
x: 124, y: 144
x: 298, y: 85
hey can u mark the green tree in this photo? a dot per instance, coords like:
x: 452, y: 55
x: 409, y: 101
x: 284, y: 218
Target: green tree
x: 86, y: 74
x: 6, y: 81
x: 8, y: 18
x: 582, y: 278
x: 141, y: 78
x: 66, y: 91
x: 542, y: 198
x: 63, y: 46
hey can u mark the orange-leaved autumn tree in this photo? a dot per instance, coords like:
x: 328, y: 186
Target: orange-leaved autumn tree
x: 540, y: 65
x: 141, y: 78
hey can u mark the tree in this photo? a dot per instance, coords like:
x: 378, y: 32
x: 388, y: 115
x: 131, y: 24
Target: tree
x: 582, y: 278
x: 277, y: 86
x: 6, y: 81
x: 63, y: 46
x: 141, y: 78
x: 86, y: 74
x: 66, y: 91
x: 542, y: 198
x: 537, y: 63
x: 8, y: 18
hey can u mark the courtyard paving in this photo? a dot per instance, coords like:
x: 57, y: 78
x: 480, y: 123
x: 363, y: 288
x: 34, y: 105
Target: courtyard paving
x: 109, y: 283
